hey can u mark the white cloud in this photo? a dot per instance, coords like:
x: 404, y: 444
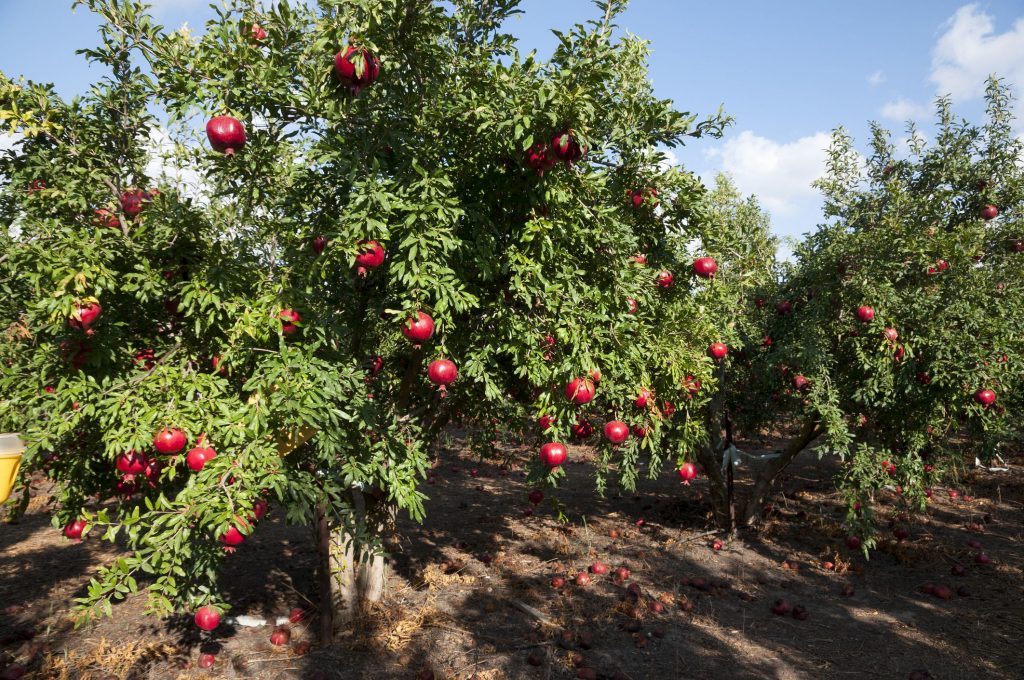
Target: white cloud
x: 904, y: 110
x: 876, y: 78
x: 970, y: 50
x: 167, y: 167
x: 780, y: 174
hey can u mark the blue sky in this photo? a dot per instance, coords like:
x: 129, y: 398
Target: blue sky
x: 788, y: 71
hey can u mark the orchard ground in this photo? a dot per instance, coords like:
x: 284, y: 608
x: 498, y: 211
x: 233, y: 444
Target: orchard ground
x: 460, y: 577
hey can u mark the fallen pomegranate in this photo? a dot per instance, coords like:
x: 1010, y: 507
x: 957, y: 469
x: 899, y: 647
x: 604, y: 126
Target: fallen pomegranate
x: 599, y: 568
x: 582, y: 578
x: 781, y: 607
x: 280, y: 637
x: 536, y: 496
x: 207, y: 660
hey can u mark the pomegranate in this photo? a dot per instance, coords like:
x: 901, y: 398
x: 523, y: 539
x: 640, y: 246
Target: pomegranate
x: 232, y: 537
x: 899, y: 353
x: 982, y: 558
x: 418, y: 328
x: 133, y: 201
x: 207, y: 618
x: 621, y: 574
x: 35, y: 185
x: 206, y: 660
x: 85, y: 314
x: 616, y: 431
x: 784, y: 307
x: 536, y: 496
x: 75, y: 529
x: 640, y: 258
x: 226, y: 134
x: 582, y: 429
x: 717, y: 545
x: 545, y: 422
x: 800, y: 383
x: 297, y: 614
x: 688, y: 472
x: 767, y: 341
x: 539, y: 158
x: 557, y: 582
x: 132, y: 463
x: 664, y: 279
x: 865, y: 313
x: 643, y: 398
x: 169, y: 440
x: 553, y: 454
x: 631, y: 305
x: 356, y: 67
x: 989, y: 212
x: 582, y: 578
x: 259, y: 509
x: 580, y: 390
x: 852, y: 542
x: 718, y: 350
x: 923, y: 378
x: 104, y: 218
x: 705, y: 267
x: 985, y: 397
x: 289, y: 318
x: 280, y: 637
x: 595, y: 375
x: 781, y: 607
x: 197, y: 457
x: 691, y: 385
x: 639, y: 431
x: 370, y: 256
x: 257, y: 33
x: 145, y: 357
x: 891, y: 334
x: 442, y: 372
x: 319, y: 244
x: 566, y: 148
x: 640, y: 197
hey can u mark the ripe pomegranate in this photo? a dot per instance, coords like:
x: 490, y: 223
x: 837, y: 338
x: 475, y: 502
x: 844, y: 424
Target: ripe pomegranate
x: 232, y: 537
x: 899, y: 353
x: 616, y: 431
x: 643, y: 397
x: 226, y: 134
x: 132, y: 463
x: 800, y: 383
x: 580, y: 390
x: 197, y: 457
x: 640, y: 258
x: 553, y: 454
x: 582, y: 578
x: 852, y: 542
x: 319, y: 244
x: 766, y: 341
x: 784, y: 307
x: 595, y: 375
x: 639, y: 431
x: 442, y: 372
x: 207, y: 618
x: 545, y: 421
x: 989, y: 212
x: 370, y: 256
x: 257, y: 33
x: 297, y: 614
x: 705, y: 267
x: 557, y: 582
x: 688, y: 472
x: 638, y: 197
x: 692, y: 385
x: 718, y: 350
x: 985, y: 397
x: 982, y: 558
x: 259, y: 509
x: 865, y: 313
x: 620, y: 574
x: 35, y: 185
x: 539, y: 158
x: 75, y: 529
x: 599, y: 568
x: 280, y: 637
x: 582, y: 429
x: 85, y: 314
x: 781, y: 607
x: 289, y: 318
x: 356, y: 67
x: 891, y: 334
x: 133, y: 201
x: 104, y: 218
x: 923, y: 378
x: 418, y: 328
x: 664, y: 279
x: 169, y: 440
x: 717, y: 545
x: 631, y: 305
x: 206, y: 660
x: 566, y: 148
x: 536, y: 496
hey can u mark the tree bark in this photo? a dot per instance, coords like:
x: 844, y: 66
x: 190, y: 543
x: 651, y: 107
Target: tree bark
x: 323, y: 545
x: 358, y: 563
x: 766, y: 476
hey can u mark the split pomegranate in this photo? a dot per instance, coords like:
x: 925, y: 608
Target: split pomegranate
x: 580, y: 390
x: 356, y: 67
x: 226, y: 134
x: 169, y: 440
x: 688, y: 472
x: 616, y: 431
x: 418, y: 328
x: 553, y: 454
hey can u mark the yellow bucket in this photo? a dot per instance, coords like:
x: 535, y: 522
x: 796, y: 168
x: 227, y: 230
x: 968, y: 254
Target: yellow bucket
x: 11, y: 448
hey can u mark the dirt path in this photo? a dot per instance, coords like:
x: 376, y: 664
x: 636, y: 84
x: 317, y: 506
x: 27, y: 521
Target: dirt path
x: 460, y: 577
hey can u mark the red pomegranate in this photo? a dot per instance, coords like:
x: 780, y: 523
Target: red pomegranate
x: 784, y: 307
x: 595, y: 375
x: 132, y: 463
x: 718, y: 350
x: 616, y: 431
x: 133, y: 201
x: 640, y: 258
x: 891, y: 334
x: 104, y: 218
x: 370, y: 256
x: 691, y: 385
x: 923, y: 378
x: 75, y: 529
x: 865, y: 313
x: 639, y: 197
x: 566, y: 147
x: 800, y: 383
x: 985, y: 397
x: 442, y: 372
x: 545, y: 421
x: 582, y: 429
x: 667, y: 409
x: 536, y: 496
x: 643, y: 398
x: 226, y: 134
x: 664, y: 279
x: 169, y: 440
x: 356, y: 67
x: 196, y: 458
x: 319, y: 244
x: 540, y: 158
x: 259, y: 509
x: 989, y: 212
x: 257, y: 33
x: 688, y: 472
x: 418, y: 328
x: 553, y: 454
x: 289, y: 318
x: 639, y: 431
x: 705, y: 267
x: 580, y: 390
x: 631, y: 305
x: 232, y: 537
x: 207, y: 618
x: 85, y: 313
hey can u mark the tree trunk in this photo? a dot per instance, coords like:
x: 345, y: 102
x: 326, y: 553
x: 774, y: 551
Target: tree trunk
x: 358, y: 563
x: 710, y: 454
x: 767, y: 474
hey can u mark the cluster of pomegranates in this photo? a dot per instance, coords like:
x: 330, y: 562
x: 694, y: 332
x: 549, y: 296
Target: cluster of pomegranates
x: 565, y: 147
